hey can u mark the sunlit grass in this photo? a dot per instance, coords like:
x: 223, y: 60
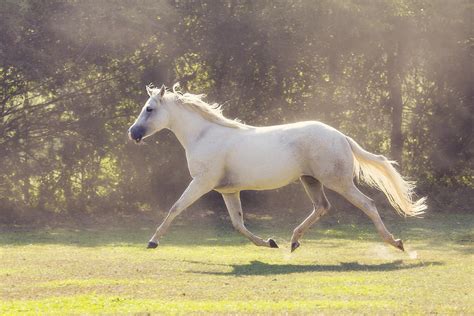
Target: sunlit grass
x: 205, y: 268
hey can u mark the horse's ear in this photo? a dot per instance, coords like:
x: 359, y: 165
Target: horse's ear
x: 162, y: 90
x: 149, y: 90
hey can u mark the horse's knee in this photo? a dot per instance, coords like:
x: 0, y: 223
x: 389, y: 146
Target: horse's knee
x: 174, y: 211
x: 238, y: 226
x: 235, y: 224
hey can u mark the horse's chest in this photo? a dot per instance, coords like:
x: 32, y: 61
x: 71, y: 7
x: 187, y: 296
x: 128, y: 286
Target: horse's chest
x: 209, y: 163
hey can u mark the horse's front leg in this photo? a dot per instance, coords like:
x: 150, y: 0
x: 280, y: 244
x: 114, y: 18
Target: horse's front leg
x: 197, y: 188
x: 234, y: 206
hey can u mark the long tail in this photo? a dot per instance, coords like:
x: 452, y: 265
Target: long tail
x: 377, y: 171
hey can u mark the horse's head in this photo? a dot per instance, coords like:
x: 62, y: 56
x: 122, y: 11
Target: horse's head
x: 153, y: 117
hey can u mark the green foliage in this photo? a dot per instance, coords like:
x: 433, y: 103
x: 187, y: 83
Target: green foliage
x: 395, y: 75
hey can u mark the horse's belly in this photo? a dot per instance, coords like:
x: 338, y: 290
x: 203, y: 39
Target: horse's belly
x: 264, y: 172
x: 263, y: 182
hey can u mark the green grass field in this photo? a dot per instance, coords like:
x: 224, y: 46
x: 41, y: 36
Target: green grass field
x: 204, y: 268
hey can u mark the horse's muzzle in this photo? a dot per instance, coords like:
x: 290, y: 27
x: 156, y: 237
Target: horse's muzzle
x: 136, y: 133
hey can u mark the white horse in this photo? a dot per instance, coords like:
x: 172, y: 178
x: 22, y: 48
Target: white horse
x: 228, y: 156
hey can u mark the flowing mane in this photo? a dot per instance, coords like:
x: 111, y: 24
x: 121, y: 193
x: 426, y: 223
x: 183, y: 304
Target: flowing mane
x: 211, y: 112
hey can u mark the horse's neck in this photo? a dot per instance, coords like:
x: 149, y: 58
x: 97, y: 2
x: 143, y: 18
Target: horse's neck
x: 188, y: 126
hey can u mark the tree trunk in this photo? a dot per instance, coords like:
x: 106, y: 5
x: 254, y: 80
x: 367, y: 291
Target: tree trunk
x: 394, y: 80
x: 396, y: 105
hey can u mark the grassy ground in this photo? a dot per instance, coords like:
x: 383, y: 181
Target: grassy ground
x: 199, y: 268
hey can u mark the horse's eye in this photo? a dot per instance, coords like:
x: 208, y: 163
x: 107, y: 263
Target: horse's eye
x: 148, y: 109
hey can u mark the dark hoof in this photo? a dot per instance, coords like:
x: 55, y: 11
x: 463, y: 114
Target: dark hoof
x: 399, y: 244
x: 272, y: 243
x: 294, y: 245
x: 152, y: 245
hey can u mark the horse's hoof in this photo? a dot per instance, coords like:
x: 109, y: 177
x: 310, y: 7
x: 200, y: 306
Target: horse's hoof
x: 152, y: 245
x: 272, y: 243
x: 399, y: 244
x: 294, y: 245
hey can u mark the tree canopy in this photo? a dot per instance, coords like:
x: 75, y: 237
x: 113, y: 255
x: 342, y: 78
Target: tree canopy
x: 395, y: 75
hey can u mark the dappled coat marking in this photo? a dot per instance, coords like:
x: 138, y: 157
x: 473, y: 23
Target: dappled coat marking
x: 228, y: 156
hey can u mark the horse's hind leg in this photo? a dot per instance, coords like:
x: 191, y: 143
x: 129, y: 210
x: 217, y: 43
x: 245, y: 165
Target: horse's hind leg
x: 368, y: 206
x: 315, y: 191
x: 234, y: 206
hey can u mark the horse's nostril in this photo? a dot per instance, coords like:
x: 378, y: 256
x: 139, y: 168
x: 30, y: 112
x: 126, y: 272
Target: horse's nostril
x: 136, y: 133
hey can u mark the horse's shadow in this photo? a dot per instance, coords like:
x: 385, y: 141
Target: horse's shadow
x: 255, y: 268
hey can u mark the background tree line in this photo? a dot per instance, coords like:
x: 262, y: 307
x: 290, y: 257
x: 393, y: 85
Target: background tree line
x: 396, y: 75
